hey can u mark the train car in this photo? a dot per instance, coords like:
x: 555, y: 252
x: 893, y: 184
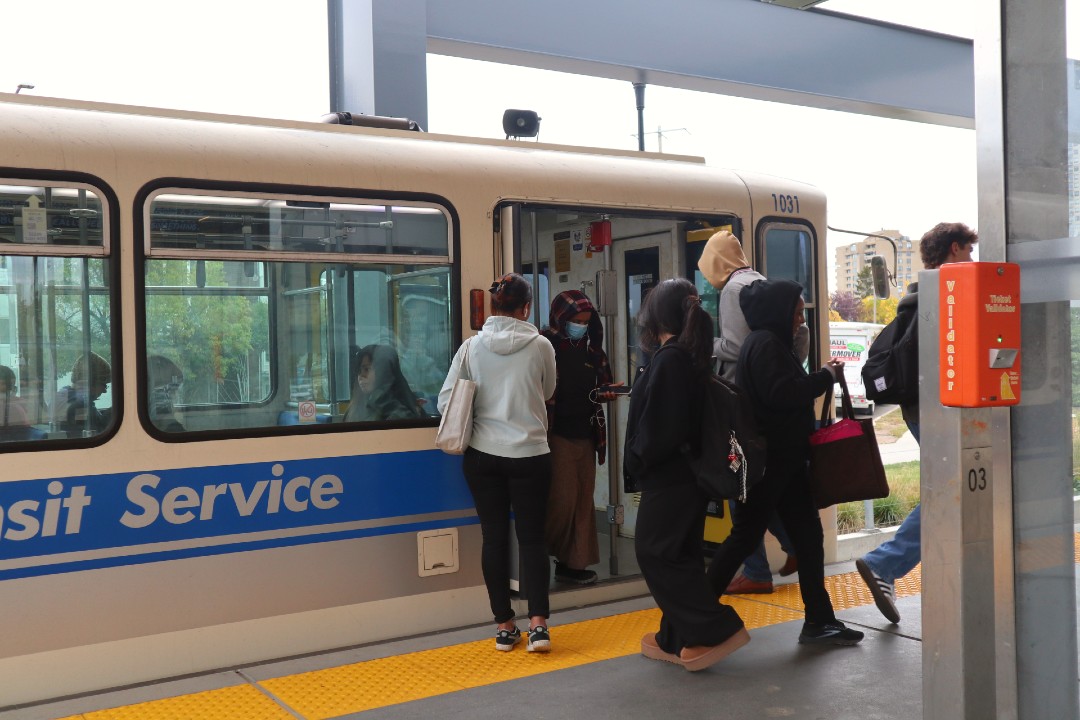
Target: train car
x: 190, y: 479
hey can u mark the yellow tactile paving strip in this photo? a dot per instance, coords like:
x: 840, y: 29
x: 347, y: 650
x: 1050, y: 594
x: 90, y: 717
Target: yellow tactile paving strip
x: 333, y: 692
x: 242, y: 702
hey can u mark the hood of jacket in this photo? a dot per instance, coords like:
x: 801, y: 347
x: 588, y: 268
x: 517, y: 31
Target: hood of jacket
x: 770, y: 305
x: 506, y: 335
x: 566, y: 305
x: 723, y: 255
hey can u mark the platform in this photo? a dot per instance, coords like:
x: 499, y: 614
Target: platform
x: 594, y: 670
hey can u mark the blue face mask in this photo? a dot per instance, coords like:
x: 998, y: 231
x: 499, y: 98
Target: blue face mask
x: 576, y: 331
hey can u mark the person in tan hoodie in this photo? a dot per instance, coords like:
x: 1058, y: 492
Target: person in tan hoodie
x: 724, y: 265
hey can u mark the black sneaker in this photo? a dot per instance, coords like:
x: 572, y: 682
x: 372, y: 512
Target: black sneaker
x: 505, y: 640
x: 830, y: 633
x: 564, y: 573
x: 882, y: 591
x: 539, y: 640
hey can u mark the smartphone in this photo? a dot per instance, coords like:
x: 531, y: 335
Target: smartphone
x: 616, y: 389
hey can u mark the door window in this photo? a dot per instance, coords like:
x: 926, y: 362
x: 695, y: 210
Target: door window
x: 788, y: 252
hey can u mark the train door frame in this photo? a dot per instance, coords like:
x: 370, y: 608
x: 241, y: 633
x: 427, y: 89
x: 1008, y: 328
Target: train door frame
x: 817, y: 319
x: 669, y: 263
x: 513, y: 235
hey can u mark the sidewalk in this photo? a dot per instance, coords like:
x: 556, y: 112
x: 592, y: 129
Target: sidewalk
x: 903, y: 450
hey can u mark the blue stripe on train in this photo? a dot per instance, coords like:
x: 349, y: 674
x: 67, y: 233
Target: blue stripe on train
x: 163, y: 555
x: 93, y: 512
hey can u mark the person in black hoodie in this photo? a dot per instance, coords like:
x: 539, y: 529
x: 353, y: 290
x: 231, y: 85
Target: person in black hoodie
x: 665, y: 414
x: 782, y: 394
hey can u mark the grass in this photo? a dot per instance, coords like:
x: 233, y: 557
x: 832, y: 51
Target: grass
x: 890, y: 425
x: 904, y: 480
x: 888, y: 511
x: 903, y: 484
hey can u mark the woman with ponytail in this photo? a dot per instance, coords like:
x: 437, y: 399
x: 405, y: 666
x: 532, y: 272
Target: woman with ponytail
x: 508, y: 462
x: 665, y: 415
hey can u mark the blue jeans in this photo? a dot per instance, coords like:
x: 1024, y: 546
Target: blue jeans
x: 897, y: 557
x: 756, y: 565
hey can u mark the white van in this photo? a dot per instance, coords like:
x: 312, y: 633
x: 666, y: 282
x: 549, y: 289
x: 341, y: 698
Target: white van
x: 849, y: 342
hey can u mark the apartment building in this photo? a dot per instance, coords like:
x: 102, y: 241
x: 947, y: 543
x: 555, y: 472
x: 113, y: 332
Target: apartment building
x: 904, y: 264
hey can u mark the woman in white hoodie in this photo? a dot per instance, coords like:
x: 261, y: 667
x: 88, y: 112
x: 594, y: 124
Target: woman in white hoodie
x: 508, y: 464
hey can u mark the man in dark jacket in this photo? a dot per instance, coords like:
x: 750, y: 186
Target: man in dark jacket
x: 783, y: 395
x: 945, y: 243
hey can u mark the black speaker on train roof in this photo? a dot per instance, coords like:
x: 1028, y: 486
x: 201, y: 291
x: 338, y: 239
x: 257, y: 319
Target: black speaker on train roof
x: 521, y: 123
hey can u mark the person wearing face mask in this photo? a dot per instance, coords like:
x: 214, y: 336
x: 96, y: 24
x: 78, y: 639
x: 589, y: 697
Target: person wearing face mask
x: 576, y: 434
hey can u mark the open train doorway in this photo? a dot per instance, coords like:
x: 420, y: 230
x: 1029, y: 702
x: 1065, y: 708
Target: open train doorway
x: 614, y: 258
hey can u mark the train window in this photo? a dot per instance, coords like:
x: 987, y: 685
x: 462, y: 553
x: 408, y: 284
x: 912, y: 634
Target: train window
x: 243, y: 333
x: 56, y: 334
x: 229, y: 223
x: 51, y: 215
x: 789, y: 253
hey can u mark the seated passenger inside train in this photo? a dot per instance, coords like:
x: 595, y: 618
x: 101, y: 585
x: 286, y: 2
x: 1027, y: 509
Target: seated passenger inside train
x: 75, y: 410
x: 14, y: 420
x: 380, y: 391
x: 163, y: 379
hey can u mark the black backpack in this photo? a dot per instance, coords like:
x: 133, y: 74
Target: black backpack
x: 891, y: 372
x: 730, y: 458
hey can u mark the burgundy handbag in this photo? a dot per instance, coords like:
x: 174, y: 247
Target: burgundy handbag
x: 845, y: 463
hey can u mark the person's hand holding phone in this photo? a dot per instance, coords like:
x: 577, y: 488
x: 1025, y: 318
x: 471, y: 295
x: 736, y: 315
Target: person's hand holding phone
x: 607, y: 393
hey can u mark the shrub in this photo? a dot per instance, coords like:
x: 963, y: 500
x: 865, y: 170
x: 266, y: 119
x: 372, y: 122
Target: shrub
x: 903, y: 497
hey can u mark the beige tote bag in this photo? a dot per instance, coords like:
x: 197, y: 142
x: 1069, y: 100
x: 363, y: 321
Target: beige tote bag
x: 455, y: 428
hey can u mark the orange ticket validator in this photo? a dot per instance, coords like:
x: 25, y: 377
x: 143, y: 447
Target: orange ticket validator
x: 979, y: 332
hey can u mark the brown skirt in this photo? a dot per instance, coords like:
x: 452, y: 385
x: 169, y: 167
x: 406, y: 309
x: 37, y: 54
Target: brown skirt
x: 570, y: 530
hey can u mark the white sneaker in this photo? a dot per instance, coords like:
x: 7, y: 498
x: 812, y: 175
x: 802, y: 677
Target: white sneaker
x: 883, y: 592
x: 539, y: 640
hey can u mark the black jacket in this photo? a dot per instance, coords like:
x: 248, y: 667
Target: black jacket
x: 781, y: 391
x: 909, y: 305
x: 665, y: 414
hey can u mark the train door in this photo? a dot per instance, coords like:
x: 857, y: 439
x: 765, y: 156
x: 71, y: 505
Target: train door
x: 640, y: 264
x: 559, y: 249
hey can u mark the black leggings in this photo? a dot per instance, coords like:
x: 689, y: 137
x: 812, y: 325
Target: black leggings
x: 787, y: 490
x: 499, y: 485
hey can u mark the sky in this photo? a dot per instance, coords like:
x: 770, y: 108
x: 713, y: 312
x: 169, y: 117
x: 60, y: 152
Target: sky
x: 269, y: 59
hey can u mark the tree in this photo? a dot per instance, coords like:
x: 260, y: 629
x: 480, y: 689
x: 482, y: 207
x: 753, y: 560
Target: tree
x: 213, y: 334
x: 81, y: 303
x: 845, y: 305
x: 864, y: 283
x: 886, y: 310
x: 835, y: 316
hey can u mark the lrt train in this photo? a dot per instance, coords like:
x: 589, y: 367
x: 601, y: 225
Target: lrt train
x: 184, y: 298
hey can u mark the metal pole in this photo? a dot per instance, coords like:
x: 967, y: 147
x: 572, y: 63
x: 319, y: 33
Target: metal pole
x: 639, y: 93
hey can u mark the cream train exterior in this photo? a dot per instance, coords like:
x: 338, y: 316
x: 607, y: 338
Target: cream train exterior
x: 262, y: 524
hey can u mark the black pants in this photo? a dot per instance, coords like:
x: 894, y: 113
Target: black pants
x: 787, y: 490
x: 668, y: 543
x: 499, y: 485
